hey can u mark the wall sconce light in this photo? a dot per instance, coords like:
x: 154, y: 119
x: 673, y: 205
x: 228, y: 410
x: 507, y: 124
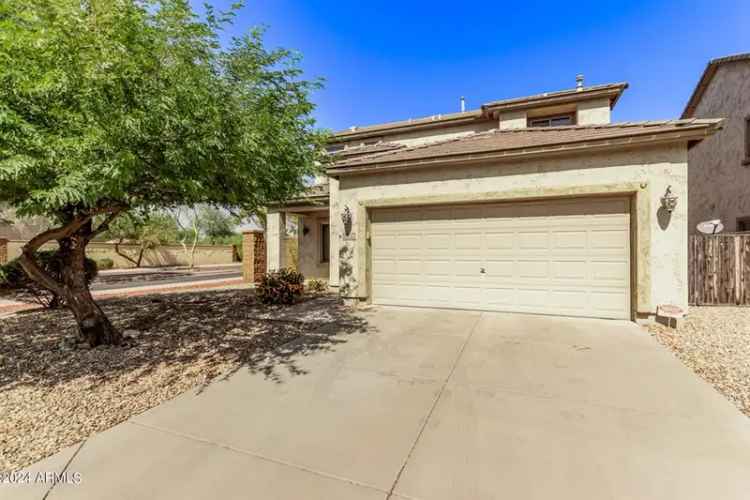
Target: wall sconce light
x: 346, y: 218
x: 669, y: 200
x: 305, y: 230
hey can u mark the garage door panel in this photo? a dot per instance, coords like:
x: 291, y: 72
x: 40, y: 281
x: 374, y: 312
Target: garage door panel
x: 499, y: 269
x: 438, y: 241
x: 570, y: 270
x: 608, y: 239
x: 569, y: 301
x: 568, y: 257
x: 608, y: 302
x: 504, y: 240
x: 467, y: 241
x: 616, y: 273
x: 569, y: 240
x: 536, y: 240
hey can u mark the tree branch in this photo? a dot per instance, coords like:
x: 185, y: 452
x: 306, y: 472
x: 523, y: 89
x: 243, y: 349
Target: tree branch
x: 29, y: 263
x: 105, y: 223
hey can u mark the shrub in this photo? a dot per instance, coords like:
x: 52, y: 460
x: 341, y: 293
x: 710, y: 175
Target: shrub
x: 316, y: 286
x: 105, y: 263
x: 280, y: 287
x: 14, y: 279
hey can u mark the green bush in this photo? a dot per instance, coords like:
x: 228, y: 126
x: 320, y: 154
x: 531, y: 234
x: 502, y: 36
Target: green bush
x: 316, y: 286
x: 284, y: 286
x: 13, y: 279
x: 105, y: 263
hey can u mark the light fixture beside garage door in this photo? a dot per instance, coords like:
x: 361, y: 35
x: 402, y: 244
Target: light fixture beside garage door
x: 669, y: 200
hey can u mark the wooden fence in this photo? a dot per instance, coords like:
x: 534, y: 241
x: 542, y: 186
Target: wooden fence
x: 719, y: 269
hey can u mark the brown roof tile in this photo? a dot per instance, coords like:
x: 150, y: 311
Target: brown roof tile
x: 525, y: 140
x: 366, y: 149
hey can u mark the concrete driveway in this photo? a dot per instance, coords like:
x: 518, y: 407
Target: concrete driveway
x: 434, y: 405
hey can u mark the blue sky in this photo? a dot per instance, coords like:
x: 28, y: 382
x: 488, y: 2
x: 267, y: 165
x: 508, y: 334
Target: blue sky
x: 385, y: 61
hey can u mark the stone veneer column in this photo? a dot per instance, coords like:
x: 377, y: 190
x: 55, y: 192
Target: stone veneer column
x: 253, y: 255
x: 275, y: 241
x: 3, y: 250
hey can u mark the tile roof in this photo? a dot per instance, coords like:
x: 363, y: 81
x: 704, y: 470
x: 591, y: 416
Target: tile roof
x: 439, y: 120
x: 613, y: 90
x: 528, y: 140
x: 583, y: 93
x: 366, y: 149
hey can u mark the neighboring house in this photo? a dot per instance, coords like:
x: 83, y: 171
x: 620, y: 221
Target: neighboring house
x: 537, y: 204
x: 720, y: 166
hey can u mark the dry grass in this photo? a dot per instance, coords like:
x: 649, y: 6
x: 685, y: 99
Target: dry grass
x: 715, y: 343
x: 56, y: 392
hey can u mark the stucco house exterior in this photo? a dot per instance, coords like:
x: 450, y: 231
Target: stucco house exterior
x: 537, y: 204
x: 719, y: 179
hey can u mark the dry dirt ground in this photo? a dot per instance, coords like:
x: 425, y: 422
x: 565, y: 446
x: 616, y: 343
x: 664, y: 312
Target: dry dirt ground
x: 56, y: 392
x: 715, y: 343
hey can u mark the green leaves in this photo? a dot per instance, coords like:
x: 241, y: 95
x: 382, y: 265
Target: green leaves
x: 131, y: 103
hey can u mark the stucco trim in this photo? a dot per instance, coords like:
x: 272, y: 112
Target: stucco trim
x: 641, y: 221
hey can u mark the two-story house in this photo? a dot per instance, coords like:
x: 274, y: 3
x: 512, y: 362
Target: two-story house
x: 719, y: 177
x: 536, y: 204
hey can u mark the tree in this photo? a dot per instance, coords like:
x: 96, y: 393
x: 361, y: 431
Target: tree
x: 217, y: 224
x: 111, y: 106
x: 200, y: 223
x: 188, y: 221
x: 147, y: 230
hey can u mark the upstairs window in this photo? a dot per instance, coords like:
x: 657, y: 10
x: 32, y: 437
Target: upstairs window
x: 746, y: 161
x: 551, y: 121
x: 743, y: 224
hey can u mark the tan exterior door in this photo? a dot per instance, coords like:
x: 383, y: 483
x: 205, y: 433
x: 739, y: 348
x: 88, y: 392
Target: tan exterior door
x: 567, y: 257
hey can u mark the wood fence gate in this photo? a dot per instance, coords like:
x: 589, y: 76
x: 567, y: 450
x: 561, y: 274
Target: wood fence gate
x: 719, y: 269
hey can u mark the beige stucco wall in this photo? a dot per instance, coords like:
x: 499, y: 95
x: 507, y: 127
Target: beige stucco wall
x: 593, y: 112
x: 309, y: 259
x: 276, y: 241
x: 165, y: 255
x: 660, y: 245
x: 719, y: 182
x: 512, y: 120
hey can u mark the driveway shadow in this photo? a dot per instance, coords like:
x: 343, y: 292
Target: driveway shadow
x: 220, y: 331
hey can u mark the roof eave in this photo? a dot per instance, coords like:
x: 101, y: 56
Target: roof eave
x: 399, y: 127
x: 613, y: 92
x: 688, y: 134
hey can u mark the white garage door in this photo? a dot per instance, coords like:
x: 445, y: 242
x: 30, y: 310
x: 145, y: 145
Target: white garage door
x: 569, y: 257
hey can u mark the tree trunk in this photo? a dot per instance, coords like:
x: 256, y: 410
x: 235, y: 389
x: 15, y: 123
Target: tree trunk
x: 71, y: 284
x: 124, y: 255
x: 93, y: 326
x: 141, y: 251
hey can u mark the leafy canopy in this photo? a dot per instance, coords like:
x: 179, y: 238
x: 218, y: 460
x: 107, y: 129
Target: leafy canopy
x: 109, y: 105
x: 148, y: 229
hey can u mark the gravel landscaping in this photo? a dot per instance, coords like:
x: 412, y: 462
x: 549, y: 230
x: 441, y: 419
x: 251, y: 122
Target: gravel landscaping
x: 715, y: 343
x: 56, y: 392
